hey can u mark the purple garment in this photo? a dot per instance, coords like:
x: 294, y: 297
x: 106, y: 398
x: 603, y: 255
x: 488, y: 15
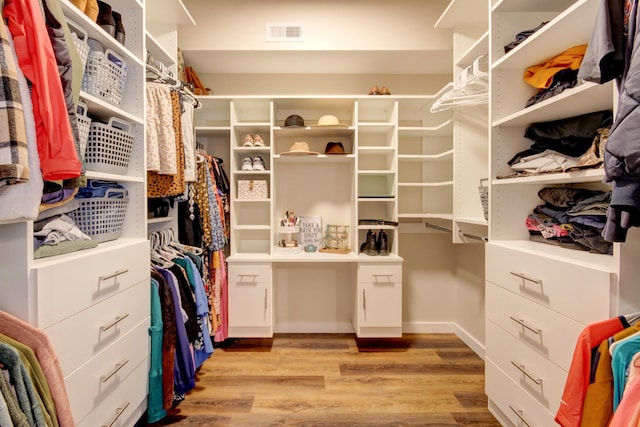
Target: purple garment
x: 184, y: 369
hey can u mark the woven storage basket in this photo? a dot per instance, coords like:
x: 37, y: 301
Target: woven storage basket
x: 80, y: 37
x: 102, y: 218
x: 109, y: 147
x: 84, y: 124
x: 105, y: 75
x: 483, y: 189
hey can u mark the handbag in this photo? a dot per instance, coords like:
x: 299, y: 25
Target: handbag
x: 194, y: 79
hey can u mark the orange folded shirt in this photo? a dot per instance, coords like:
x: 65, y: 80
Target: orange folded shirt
x: 541, y: 76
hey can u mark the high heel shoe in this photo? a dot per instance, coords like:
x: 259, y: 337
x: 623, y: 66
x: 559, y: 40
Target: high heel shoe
x: 105, y: 18
x: 385, y: 91
x: 374, y: 90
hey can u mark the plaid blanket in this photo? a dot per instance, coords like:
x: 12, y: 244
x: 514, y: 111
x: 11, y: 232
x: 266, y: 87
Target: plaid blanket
x: 13, y: 136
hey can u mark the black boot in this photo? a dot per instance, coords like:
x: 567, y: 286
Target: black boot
x: 119, y: 27
x: 383, y: 243
x: 365, y: 241
x: 370, y: 246
x: 105, y: 18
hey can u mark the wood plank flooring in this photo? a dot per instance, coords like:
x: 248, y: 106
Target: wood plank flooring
x: 338, y: 380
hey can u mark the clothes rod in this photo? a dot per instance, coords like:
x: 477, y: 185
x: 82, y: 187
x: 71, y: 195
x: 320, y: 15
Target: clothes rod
x: 460, y: 232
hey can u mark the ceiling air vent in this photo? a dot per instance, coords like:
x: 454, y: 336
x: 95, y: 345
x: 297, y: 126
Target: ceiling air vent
x: 277, y: 32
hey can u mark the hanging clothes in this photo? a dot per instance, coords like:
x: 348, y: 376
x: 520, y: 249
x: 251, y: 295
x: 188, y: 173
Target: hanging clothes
x: 161, y: 143
x: 56, y: 147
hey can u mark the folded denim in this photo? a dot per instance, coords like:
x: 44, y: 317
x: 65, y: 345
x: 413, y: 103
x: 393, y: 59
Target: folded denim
x: 99, y: 188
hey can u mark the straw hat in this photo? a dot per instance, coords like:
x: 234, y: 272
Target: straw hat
x: 299, y: 147
x: 329, y: 120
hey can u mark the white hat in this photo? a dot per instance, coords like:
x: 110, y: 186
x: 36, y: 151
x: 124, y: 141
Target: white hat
x: 329, y: 120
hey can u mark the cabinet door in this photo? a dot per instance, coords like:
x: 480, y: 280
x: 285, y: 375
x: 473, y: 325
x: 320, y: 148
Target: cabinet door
x: 380, y: 304
x: 250, y: 301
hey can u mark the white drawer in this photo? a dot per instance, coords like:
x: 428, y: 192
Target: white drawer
x: 81, y: 336
x: 250, y: 273
x: 544, y: 330
x: 120, y: 407
x: 381, y: 273
x: 516, y: 404
x: 68, y: 287
x: 577, y: 291
x: 103, y: 375
x: 533, y: 372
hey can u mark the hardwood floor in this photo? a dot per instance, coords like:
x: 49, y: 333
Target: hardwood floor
x: 338, y: 380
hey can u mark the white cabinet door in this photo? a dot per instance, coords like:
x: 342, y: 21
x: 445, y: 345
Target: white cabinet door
x: 250, y: 301
x: 379, y: 301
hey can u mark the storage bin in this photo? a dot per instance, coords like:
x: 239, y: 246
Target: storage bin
x: 109, y: 147
x: 105, y: 75
x: 84, y: 125
x: 79, y: 36
x: 252, y: 189
x: 102, y: 218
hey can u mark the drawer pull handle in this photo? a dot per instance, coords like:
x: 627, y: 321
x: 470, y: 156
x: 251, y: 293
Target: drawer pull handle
x: 119, y: 412
x: 113, y: 322
x: 388, y: 278
x: 265, y: 300
x: 119, y: 366
x: 364, y: 300
x: 518, y: 413
x: 522, y: 369
x: 114, y: 274
x: 528, y: 279
x: 524, y: 325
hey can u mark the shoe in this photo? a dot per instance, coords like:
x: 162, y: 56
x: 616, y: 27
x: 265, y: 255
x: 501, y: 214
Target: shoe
x: 382, y: 244
x: 257, y: 141
x: 105, y: 18
x: 365, y: 241
x: 374, y: 90
x: 248, y: 141
x: 80, y: 4
x: 385, y: 91
x: 119, y: 27
x: 370, y: 246
x: 247, y: 164
x: 258, y: 164
x: 92, y: 10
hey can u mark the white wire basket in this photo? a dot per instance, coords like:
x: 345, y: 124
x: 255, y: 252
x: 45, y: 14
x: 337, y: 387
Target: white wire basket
x: 80, y: 40
x: 483, y: 189
x: 109, y: 147
x: 84, y: 124
x: 105, y: 75
x: 102, y: 218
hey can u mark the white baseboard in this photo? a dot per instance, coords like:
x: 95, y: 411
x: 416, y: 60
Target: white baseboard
x: 444, y: 328
x: 314, y: 328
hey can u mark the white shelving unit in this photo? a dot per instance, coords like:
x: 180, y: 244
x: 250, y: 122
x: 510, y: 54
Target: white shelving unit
x: 95, y: 287
x: 531, y: 287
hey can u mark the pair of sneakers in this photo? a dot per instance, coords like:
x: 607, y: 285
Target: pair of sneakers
x: 255, y: 163
x: 253, y: 141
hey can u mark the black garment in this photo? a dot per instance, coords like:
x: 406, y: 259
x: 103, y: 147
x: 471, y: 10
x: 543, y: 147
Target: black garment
x: 189, y: 230
x: 522, y: 36
x: 169, y: 332
x: 562, y: 80
x: 187, y: 301
x: 572, y: 136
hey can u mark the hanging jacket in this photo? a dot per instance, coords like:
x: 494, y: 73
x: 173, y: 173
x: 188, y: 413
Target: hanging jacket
x: 56, y: 147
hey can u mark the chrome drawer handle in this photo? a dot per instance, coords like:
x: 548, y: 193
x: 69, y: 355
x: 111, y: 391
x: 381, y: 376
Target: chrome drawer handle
x: 119, y: 366
x: 522, y: 369
x: 114, y: 322
x: 518, y: 413
x: 388, y: 276
x: 524, y: 325
x: 114, y: 274
x: 119, y: 412
x: 527, y: 278
x: 364, y: 300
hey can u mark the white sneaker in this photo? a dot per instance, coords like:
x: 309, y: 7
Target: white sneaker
x: 248, y: 141
x: 247, y: 164
x: 257, y: 141
x: 258, y: 164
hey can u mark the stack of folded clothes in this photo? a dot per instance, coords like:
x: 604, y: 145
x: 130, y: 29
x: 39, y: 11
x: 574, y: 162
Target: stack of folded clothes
x: 571, y: 217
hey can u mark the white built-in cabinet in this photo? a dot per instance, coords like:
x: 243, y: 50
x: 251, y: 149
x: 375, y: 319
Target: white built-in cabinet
x: 93, y: 304
x: 540, y: 296
x: 467, y: 163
